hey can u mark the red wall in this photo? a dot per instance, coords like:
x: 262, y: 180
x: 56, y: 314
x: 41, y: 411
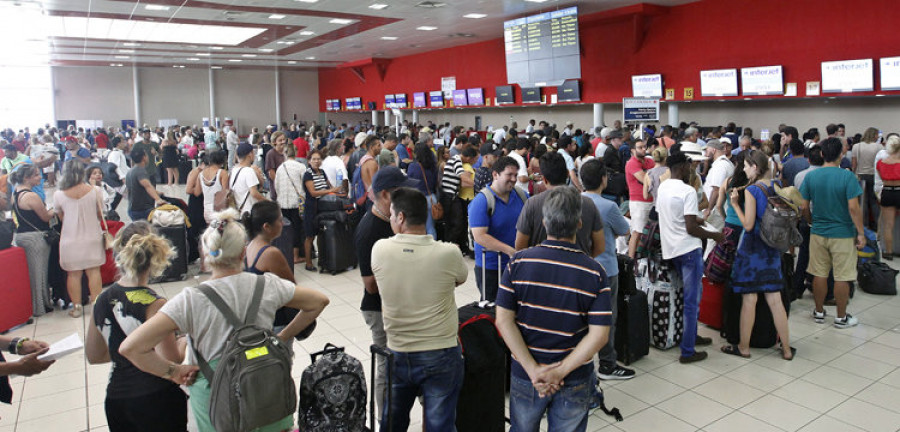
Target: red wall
x: 710, y: 34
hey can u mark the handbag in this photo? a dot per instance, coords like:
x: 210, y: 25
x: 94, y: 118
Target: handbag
x: 437, y: 210
x: 877, y: 278
x: 107, y: 237
x: 720, y: 260
x: 224, y: 199
x: 301, y: 202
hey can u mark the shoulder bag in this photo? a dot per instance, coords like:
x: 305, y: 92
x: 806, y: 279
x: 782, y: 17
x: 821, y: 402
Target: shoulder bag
x: 107, y: 237
x: 51, y: 236
x: 224, y: 199
x: 437, y: 210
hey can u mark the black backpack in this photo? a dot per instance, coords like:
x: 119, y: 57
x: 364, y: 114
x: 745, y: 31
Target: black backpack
x: 332, y: 393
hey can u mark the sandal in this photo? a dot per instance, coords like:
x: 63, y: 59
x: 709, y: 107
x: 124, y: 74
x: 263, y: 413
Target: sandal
x: 734, y: 350
x: 76, y: 311
x: 793, y: 353
x: 311, y: 268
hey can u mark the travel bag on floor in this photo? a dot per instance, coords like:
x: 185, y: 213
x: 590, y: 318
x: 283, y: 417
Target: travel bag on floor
x: 482, y: 399
x: 15, y: 291
x: 632, y: 338
x: 711, y: 304
x: 337, y: 250
x: 877, y: 278
x: 333, y: 393
x: 665, y: 295
x: 178, y: 268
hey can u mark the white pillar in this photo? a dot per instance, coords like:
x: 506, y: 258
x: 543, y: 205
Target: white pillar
x: 277, y: 97
x: 598, y: 115
x: 415, y: 116
x: 135, y: 84
x: 374, y: 117
x: 387, y: 117
x: 212, y: 100
x: 673, y: 113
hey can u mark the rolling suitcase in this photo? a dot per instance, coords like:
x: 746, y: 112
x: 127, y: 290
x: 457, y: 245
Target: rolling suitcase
x: 665, y: 295
x: 337, y: 251
x: 285, y: 242
x: 389, y: 378
x: 632, y: 338
x: 711, y: 304
x: 15, y: 308
x: 764, y: 334
x: 178, y: 268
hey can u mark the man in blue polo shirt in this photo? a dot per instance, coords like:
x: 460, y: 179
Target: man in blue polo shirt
x: 553, y: 310
x: 495, y: 230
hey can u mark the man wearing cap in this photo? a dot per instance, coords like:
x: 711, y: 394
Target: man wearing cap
x: 680, y: 235
x: 420, y: 319
x: 568, y: 129
x: 721, y: 169
x: 495, y: 232
x: 489, y: 155
x: 151, y: 149
x: 374, y: 226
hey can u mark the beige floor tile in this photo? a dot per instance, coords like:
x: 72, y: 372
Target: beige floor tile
x: 890, y: 338
x: 832, y: 339
x: 627, y: 404
x: 892, y: 378
x: 866, y: 416
x: 71, y: 420
x: 649, y: 389
x: 97, y: 415
x: 760, y: 377
x: 9, y: 414
x: 719, y: 362
x: 687, y: 376
x: 694, y: 409
x: 796, y: 368
x: 729, y: 392
x: 880, y: 319
x: 882, y: 395
x: 809, y: 395
x: 817, y: 352
x: 652, y: 361
x: 40, y: 386
x: 780, y: 412
x: 829, y: 424
x: 740, y: 422
x: 837, y: 380
x: 879, y: 352
x: 652, y: 419
x: 862, y: 366
x: 52, y: 404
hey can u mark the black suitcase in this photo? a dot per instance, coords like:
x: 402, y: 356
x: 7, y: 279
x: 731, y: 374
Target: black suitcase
x: 337, y: 250
x: 482, y: 399
x: 632, y: 337
x: 178, y: 268
x: 285, y: 242
x: 389, y: 379
x: 764, y: 334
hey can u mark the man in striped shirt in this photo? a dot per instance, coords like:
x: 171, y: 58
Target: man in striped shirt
x: 554, y: 313
x: 455, y: 208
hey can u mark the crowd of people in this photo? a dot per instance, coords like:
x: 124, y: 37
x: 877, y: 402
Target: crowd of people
x: 542, y: 211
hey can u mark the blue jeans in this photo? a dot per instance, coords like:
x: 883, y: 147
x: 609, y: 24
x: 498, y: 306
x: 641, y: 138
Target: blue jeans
x: 567, y: 410
x: 438, y: 376
x: 690, y: 267
x: 137, y: 215
x: 429, y: 223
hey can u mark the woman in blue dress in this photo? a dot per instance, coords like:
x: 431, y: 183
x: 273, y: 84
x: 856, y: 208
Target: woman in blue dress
x: 757, y: 267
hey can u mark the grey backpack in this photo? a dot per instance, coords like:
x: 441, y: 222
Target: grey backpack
x: 778, y: 227
x: 252, y: 385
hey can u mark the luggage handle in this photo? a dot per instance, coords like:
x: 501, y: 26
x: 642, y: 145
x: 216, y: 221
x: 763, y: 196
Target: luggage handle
x: 483, y: 303
x: 389, y: 360
x: 329, y: 348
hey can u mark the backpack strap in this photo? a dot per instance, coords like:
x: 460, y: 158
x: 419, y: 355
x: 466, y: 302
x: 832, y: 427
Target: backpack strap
x: 491, y: 202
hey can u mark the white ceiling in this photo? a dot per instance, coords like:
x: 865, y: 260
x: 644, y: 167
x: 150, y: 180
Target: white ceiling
x: 109, y: 33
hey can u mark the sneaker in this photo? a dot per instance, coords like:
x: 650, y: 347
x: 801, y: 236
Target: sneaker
x: 819, y: 317
x: 615, y: 373
x: 846, y: 322
x: 698, y: 356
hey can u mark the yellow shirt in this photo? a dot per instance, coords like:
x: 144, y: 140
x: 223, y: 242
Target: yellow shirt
x: 467, y: 192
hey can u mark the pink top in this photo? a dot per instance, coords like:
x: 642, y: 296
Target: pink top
x: 635, y: 188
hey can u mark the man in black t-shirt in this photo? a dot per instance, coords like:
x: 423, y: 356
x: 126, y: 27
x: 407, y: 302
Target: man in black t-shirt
x: 376, y: 225
x: 142, y: 195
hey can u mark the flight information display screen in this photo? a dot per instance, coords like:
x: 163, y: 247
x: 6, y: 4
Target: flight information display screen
x: 543, y: 49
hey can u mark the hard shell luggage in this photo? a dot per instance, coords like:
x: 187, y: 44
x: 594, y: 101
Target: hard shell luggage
x: 337, y: 250
x: 333, y: 393
x: 711, y: 304
x: 15, y: 291
x: 632, y: 338
x: 178, y: 268
x: 764, y: 334
x: 665, y: 295
x: 285, y: 242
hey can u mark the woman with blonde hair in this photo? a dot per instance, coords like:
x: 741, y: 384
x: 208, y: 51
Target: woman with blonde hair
x: 889, y: 170
x: 193, y: 313
x: 136, y: 400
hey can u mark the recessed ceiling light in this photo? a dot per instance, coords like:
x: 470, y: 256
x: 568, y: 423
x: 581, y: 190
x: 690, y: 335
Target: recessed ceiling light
x: 536, y: 1
x: 248, y: 55
x: 310, y: 58
x: 193, y: 59
x: 285, y: 42
x: 426, y: 28
x: 292, y: 62
x: 155, y: 7
x: 307, y: 1
x: 235, y: 60
x: 378, y: 6
x: 178, y: 66
x: 131, y: 44
x: 215, y: 67
x: 341, y: 21
x: 266, y: 50
x: 217, y: 48
x: 123, y: 57
x: 126, y: 51
x: 474, y: 15
x: 277, y: 16
x: 203, y: 54
x: 389, y: 38
x: 307, y: 33
x: 112, y: 64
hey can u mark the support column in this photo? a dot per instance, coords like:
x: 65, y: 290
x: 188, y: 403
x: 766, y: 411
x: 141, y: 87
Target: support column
x: 415, y: 116
x: 387, y: 117
x: 673, y: 113
x: 212, y: 100
x: 375, y: 117
x: 598, y: 115
x: 277, y: 97
x: 136, y: 85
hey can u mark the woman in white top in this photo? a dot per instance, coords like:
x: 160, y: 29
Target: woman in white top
x: 289, y: 190
x: 246, y: 179
x: 212, y: 179
x: 192, y: 313
x: 334, y: 164
x: 117, y: 156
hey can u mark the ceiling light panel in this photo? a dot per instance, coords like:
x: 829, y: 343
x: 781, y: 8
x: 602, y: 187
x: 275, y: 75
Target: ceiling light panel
x: 389, y: 38
x: 341, y: 21
x: 307, y: 33
x: 156, y: 7
x: 474, y: 15
x: 148, y: 31
x: 307, y: 1
x: 426, y: 28
x: 378, y: 6
x: 277, y: 16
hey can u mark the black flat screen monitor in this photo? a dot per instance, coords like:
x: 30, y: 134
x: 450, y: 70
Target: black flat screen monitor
x: 570, y: 91
x: 531, y: 95
x: 505, y: 94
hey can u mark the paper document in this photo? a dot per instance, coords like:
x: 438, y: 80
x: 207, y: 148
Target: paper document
x: 63, y: 348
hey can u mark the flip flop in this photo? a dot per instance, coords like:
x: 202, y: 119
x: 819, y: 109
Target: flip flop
x: 793, y: 353
x: 734, y: 350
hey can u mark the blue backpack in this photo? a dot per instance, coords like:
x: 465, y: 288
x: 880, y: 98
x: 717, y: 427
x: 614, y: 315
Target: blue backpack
x: 358, y: 187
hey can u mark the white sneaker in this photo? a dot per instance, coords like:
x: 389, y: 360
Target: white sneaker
x: 845, y: 322
x: 819, y: 317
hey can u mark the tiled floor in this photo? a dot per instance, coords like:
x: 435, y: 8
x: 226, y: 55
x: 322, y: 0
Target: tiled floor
x: 841, y: 380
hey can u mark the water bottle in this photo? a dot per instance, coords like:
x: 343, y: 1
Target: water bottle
x: 340, y: 178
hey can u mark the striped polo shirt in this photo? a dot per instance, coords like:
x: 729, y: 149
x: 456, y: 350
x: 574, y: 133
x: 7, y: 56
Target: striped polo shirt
x: 556, y: 291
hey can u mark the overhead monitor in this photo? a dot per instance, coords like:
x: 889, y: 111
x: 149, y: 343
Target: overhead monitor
x: 476, y: 96
x: 531, y: 95
x: 460, y: 98
x: 349, y: 104
x: 419, y: 100
x: 848, y: 76
x: 570, y: 91
x: 328, y: 106
x: 436, y: 98
x: 505, y: 95
x: 647, y: 86
x: 761, y: 81
x: 357, y: 103
x: 543, y: 49
x: 400, y: 100
x: 721, y: 82
x: 389, y: 101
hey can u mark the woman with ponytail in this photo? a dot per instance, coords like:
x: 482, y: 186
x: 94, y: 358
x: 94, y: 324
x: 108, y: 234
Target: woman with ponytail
x: 191, y: 312
x: 136, y: 400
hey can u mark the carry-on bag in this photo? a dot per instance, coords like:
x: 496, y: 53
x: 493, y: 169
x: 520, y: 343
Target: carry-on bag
x: 15, y: 308
x: 337, y: 249
x: 632, y: 338
x: 711, y: 304
x: 333, y: 393
x: 665, y: 295
x: 178, y: 268
x: 389, y: 379
x: 482, y: 399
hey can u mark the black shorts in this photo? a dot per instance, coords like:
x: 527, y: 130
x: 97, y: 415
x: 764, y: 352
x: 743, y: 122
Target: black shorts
x: 165, y: 410
x: 890, y: 196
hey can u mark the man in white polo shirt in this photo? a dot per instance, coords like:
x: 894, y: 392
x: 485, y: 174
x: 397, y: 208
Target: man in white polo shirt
x: 721, y: 169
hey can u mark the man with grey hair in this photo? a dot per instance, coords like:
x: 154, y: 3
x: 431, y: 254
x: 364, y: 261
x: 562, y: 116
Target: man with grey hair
x: 427, y: 139
x: 554, y: 313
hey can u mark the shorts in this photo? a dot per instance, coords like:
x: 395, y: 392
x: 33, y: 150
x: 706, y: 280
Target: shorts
x: 640, y: 213
x: 838, y: 254
x: 890, y: 196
